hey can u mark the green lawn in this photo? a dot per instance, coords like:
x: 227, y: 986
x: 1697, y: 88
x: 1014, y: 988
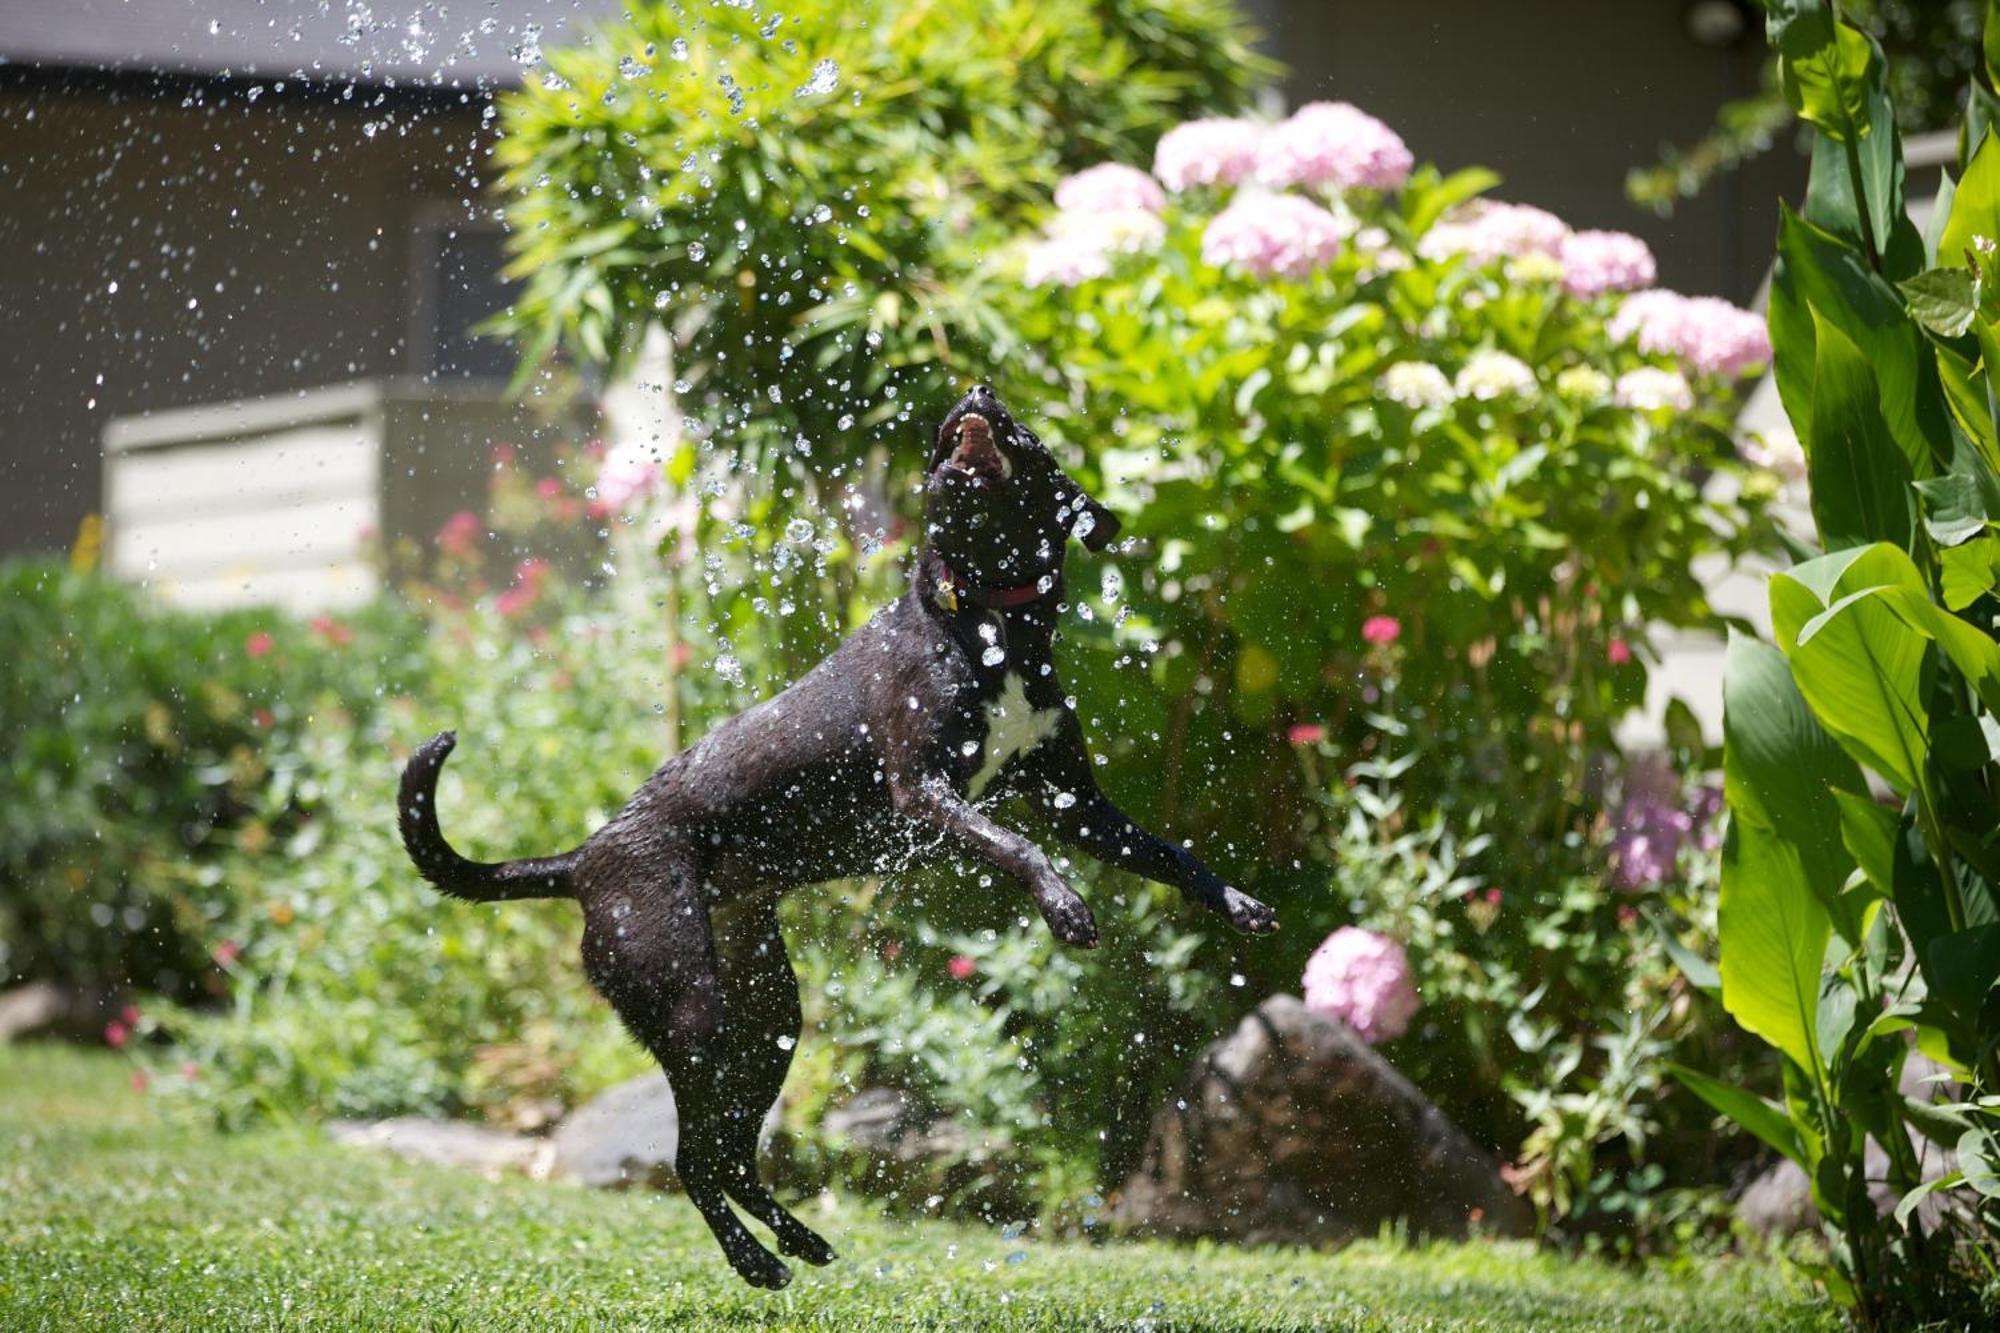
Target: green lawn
x: 111, y: 1218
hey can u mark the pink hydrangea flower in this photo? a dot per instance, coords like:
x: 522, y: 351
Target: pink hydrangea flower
x: 1333, y: 145
x: 1707, y: 334
x: 961, y: 967
x: 1081, y: 246
x: 1381, y: 630
x: 1110, y: 187
x: 259, y: 643
x: 1486, y: 230
x: 1215, y: 151
x: 630, y: 472
x: 1595, y: 262
x: 1363, y: 979
x: 1278, y: 235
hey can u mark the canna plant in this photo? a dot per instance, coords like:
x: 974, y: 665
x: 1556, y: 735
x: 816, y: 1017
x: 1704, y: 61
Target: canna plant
x: 1852, y: 931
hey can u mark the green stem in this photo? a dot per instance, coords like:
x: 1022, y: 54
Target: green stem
x: 1861, y: 200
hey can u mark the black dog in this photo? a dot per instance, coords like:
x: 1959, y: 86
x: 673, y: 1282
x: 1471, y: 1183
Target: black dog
x: 888, y: 753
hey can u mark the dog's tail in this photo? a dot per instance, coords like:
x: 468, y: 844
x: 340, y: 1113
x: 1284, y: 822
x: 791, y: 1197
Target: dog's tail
x: 475, y: 881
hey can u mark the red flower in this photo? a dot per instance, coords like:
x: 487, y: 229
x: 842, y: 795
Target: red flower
x: 1619, y: 651
x: 129, y: 1015
x: 116, y: 1034
x: 529, y: 576
x: 1381, y: 629
x: 961, y: 967
x: 140, y: 1080
x: 459, y: 534
x: 227, y: 952
x: 548, y: 488
x: 262, y: 717
x: 260, y: 643
x: 1493, y: 897
x: 1306, y: 733
x: 332, y: 631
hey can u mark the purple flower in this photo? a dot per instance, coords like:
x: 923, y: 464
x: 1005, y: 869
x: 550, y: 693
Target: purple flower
x: 1605, y: 261
x: 1333, y: 145
x: 1274, y: 234
x: 1363, y: 979
x: 1109, y: 187
x: 1484, y: 231
x: 1707, y: 334
x: 1216, y: 151
x: 1654, y: 822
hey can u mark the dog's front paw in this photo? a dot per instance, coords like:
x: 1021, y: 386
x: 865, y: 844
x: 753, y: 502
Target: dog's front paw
x: 1247, y: 914
x: 1071, y: 921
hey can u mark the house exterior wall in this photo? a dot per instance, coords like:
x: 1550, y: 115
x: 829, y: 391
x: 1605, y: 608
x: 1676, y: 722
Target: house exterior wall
x: 1561, y: 97
x: 257, y: 247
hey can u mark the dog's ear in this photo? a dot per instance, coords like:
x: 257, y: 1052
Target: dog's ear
x: 1101, y: 530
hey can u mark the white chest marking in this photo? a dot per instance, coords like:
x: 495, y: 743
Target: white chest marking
x: 1012, y: 728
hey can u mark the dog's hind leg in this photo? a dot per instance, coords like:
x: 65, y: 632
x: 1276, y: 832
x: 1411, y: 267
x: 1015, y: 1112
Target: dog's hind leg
x: 648, y: 947
x: 760, y: 999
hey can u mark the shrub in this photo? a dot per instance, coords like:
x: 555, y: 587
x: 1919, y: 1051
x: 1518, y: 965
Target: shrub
x: 1851, y: 931
x: 143, y: 747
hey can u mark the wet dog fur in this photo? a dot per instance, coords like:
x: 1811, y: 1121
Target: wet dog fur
x: 894, y: 750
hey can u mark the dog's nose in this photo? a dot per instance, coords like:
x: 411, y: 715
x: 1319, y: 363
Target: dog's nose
x: 982, y: 391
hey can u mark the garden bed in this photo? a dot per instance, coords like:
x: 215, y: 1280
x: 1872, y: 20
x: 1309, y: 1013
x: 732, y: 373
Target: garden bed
x: 117, y: 1218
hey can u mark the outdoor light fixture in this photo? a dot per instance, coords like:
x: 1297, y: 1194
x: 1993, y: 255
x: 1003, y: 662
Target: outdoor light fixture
x: 1715, y: 22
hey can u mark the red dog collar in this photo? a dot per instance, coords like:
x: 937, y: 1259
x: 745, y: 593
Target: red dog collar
x: 951, y: 587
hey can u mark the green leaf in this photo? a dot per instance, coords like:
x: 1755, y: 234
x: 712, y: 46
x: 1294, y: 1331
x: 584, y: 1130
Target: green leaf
x: 1766, y: 1120
x: 1772, y: 924
x: 1942, y: 300
x: 1823, y: 66
x: 1962, y: 967
x: 1954, y: 508
x: 1868, y: 831
x: 1940, y: 212
x: 1860, y: 479
x: 1855, y: 658
x: 1908, y: 1203
x: 1968, y: 572
x: 1818, y: 278
x: 1975, y: 206
x: 1989, y: 43
x: 1979, y: 1159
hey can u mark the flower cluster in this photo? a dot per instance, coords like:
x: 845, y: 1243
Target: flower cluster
x: 1364, y: 980
x: 1651, y: 388
x: 1279, y: 235
x: 1595, y: 262
x: 1486, y: 230
x: 1110, y: 187
x: 1488, y: 375
x: 1654, y: 822
x: 1708, y: 335
x: 1211, y: 152
x: 1332, y: 145
x: 1416, y: 384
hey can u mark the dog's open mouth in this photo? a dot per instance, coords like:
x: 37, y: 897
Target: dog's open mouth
x: 977, y: 455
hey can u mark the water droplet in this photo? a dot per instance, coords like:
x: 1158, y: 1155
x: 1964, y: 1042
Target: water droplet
x: 678, y: 49
x: 825, y: 78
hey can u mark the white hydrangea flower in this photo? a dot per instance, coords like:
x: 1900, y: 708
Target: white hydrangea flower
x: 1489, y: 375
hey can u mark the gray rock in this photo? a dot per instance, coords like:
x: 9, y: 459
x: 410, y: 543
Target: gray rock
x: 885, y: 1123
x: 626, y: 1136
x: 1779, y: 1201
x: 445, y: 1143
x: 1291, y: 1129
x: 45, y: 1009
